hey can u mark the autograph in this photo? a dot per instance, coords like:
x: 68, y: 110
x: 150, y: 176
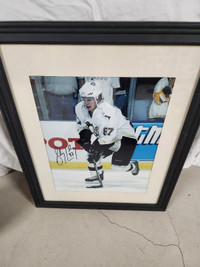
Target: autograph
x: 65, y: 155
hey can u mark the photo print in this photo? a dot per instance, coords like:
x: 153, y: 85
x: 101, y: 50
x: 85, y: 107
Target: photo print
x: 101, y: 133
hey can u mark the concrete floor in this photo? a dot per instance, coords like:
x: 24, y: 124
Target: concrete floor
x: 37, y: 237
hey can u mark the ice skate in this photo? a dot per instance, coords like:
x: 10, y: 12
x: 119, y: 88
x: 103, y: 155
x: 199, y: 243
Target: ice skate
x: 95, y: 178
x: 135, y: 167
x: 94, y: 181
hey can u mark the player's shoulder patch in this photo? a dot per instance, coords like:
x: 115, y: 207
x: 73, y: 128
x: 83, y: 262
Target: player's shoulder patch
x: 107, y: 117
x: 105, y: 111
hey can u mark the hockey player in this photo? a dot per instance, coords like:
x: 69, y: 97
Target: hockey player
x: 114, y: 134
x: 161, y: 97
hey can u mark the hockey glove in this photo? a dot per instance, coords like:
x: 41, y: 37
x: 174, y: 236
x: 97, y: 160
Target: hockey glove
x: 167, y: 90
x: 84, y: 140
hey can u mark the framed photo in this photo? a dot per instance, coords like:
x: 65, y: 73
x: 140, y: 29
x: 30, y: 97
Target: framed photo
x: 101, y: 114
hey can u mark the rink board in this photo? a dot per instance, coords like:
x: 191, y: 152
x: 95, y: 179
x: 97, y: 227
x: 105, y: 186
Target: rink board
x: 64, y: 152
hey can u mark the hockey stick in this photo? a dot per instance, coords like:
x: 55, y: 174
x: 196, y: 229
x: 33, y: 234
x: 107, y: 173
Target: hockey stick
x: 98, y: 176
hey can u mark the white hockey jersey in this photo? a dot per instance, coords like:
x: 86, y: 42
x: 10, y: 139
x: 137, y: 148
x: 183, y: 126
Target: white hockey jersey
x: 159, y: 105
x: 107, y: 123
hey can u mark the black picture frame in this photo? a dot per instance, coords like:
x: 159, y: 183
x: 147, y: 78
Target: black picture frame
x: 101, y: 33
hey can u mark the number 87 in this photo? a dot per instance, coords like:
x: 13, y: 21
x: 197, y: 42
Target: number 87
x: 107, y: 131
